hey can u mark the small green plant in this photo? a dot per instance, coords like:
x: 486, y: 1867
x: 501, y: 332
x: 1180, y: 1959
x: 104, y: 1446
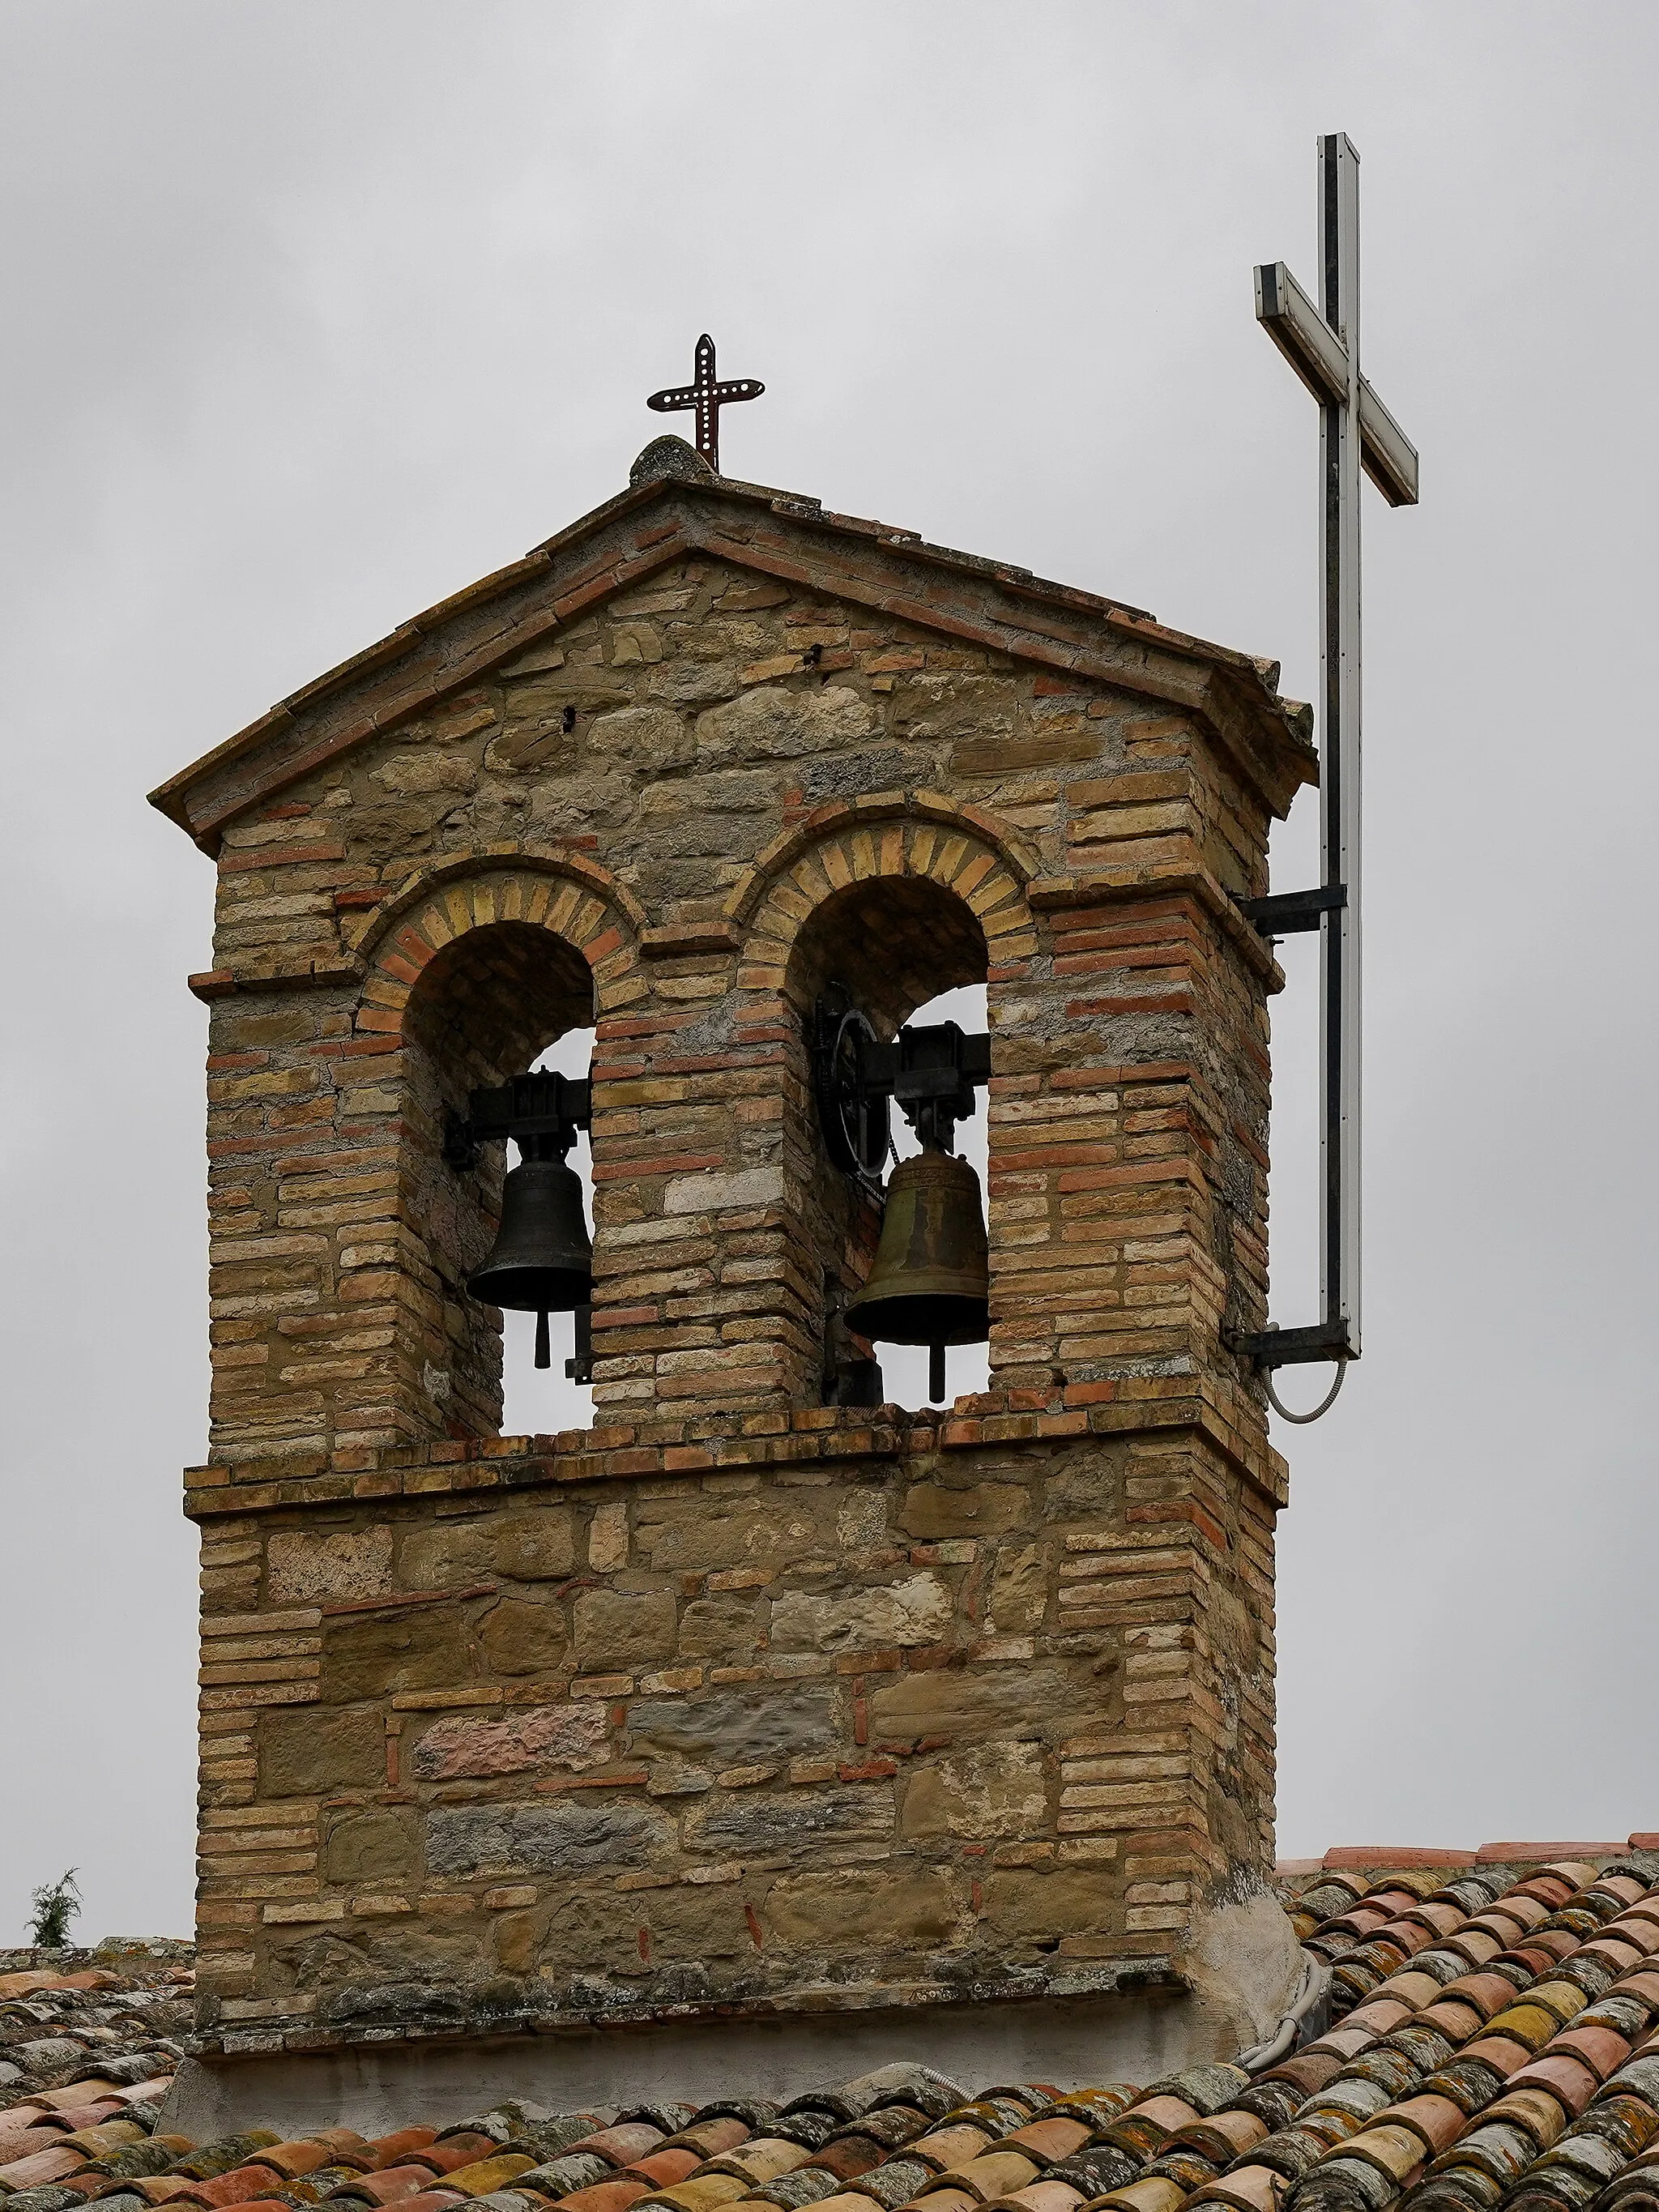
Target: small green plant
x: 56, y: 1905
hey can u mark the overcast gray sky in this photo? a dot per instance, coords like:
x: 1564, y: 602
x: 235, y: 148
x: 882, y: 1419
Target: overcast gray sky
x: 315, y: 310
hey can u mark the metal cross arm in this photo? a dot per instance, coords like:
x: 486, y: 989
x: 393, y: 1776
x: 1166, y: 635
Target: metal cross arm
x: 1320, y: 358
x: 1321, y: 341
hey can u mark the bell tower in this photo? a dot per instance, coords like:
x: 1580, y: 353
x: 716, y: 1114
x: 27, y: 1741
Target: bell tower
x: 762, y: 1718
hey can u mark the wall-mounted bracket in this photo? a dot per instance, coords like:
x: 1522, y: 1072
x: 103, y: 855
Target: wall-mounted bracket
x: 1283, y: 914
x: 931, y: 1074
x: 1293, y: 1348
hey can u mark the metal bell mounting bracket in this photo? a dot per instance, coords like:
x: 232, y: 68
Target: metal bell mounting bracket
x: 931, y: 1073
x: 541, y: 1113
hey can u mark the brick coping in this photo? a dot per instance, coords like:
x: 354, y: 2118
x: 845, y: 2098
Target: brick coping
x: 1377, y: 1860
x: 733, y: 1443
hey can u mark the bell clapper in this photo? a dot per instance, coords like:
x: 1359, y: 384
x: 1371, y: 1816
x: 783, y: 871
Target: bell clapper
x: 544, y: 1346
x: 936, y: 1373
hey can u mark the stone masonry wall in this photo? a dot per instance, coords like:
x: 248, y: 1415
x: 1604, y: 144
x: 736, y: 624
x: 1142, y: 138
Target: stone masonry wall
x: 685, y: 837
x: 496, y: 1741
x: 733, y: 1699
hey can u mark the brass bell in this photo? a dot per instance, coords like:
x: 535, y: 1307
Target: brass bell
x: 931, y: 1281
x: 542, y: 1260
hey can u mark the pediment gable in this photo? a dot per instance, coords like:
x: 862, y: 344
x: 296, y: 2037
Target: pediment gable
x: 770, y: 541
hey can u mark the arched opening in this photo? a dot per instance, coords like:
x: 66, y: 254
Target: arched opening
x: 541, y: 1400
x: 488, y: 1006
x: 900, y: 950
x: 967, y: 1366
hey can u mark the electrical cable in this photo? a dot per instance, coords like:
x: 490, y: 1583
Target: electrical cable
x: 1323, y: 1406
x: 1312, y: 1986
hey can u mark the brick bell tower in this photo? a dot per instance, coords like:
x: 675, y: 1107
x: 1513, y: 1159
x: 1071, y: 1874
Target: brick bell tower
x: 783, y: 1736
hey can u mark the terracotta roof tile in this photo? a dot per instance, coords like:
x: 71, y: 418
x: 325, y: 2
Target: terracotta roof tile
x: 1496, y: 2045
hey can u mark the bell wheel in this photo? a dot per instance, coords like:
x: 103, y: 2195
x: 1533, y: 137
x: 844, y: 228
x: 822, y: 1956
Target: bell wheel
x: 855, y: 1127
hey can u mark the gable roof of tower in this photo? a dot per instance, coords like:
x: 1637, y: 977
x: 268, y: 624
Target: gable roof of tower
x: 783, y: 535
x: 1470, y: 2037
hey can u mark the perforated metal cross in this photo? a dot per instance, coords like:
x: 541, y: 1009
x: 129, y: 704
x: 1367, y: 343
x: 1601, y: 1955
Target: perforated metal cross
x: 707, y: 396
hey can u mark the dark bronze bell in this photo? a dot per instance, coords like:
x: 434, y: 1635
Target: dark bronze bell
x: 542, y: 1260
x: 931, y: 1281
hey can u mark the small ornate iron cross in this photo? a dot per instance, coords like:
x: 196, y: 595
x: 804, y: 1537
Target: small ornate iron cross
x: 707, y: 397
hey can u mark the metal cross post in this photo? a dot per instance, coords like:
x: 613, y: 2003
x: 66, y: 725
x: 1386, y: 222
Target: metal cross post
x: 1356, y: 432
x: 707, y: 397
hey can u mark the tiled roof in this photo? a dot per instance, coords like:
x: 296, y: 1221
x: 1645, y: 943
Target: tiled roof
x: 88, y: 2052
x: 1489, y: 2041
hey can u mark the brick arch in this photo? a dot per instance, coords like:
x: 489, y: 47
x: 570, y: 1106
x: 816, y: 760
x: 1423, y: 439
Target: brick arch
x: 959, y: 850
x: 873, y: 813
x: 571, y: 898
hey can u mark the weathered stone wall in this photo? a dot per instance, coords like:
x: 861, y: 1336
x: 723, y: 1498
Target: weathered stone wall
x: 733, y: 1698
x: 890, y: 1708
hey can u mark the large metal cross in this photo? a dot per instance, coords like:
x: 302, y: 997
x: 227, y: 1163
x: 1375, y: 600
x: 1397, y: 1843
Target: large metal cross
x: 1356, y: 432
x: 708, y: 397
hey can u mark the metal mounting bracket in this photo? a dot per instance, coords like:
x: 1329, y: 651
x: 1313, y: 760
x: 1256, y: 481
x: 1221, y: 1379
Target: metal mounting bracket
x: 1293, y: 1348
x: 540, y: 1112
x: 931, y: 1073
x: 1283, y: 914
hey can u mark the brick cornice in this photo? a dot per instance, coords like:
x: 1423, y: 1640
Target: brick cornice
x: 1113, y: 886
x: 654, y: 1450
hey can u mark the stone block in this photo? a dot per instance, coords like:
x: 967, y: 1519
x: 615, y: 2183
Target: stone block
x: 516, y: 1636
x: 653, y: 739
x: 1019, y: 1589
x: 985, y: 1790
x: 307, y: 1568
x: 463, y: 1840
x: 833, y: 1908
x: 589, y: 1928
x: 726, y: 1626
x: 369, y: 1654
x: 302, y: 1752
x: 607, y: 1537
x: 933, y: 1509
x: 740, y: 1823
x: 617, y: 1629
x: 370, y: 1848
x: 470, y: 1745
x: 770, y: 723
x: 1034, y: 1902
x: 953, y: 1702
x: 696, y: 1921
x: 876, y: 1616
x: 696, y: 1532
x: 518, y: 1937
x: 740, y: 1731
x: 532, y: 1544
